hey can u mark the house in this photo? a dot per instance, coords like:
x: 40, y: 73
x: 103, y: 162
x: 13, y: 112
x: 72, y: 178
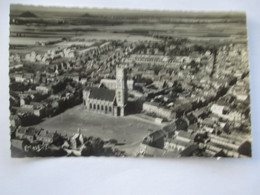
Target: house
x: 217, y: 109
x: 15, y: 121
x: 155, y: 139
x: 191, y: 118
x: 185, y: 136
x: 43, y: 89
x: 27, y: 133
x: 183, y: 107
x: 231, y: 144
x: 182, y: 124
x: 148, y: 74
x: 224, y: 112
x: 209, y: 122
x: 47, y: 137
x: 158, y: 120
x: 242, y: 97
x: 29, y: 77
x: 39, y: 110
x: 200, y: 113
x: 18, y: 77
x: 174, y: 145
x: 188, y: 151
x: 160, y: 84
x: 213, y: 151
x: 24, y: 100
x: 154, y: 107
x: 27, y: 118
x: 83, y: 81
x: 149, y: 151
x: 169, y: 129
x: 177, y: 145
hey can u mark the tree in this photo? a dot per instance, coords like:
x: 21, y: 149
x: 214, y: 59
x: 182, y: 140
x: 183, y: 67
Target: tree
x: 96, y: 145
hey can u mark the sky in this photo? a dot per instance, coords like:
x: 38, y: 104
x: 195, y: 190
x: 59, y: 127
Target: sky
x: 82, y: 10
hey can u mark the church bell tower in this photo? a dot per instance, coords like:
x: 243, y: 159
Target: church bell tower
x: 121, y: 90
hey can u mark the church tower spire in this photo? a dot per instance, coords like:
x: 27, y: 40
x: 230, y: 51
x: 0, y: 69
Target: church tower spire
x: 121, y: 90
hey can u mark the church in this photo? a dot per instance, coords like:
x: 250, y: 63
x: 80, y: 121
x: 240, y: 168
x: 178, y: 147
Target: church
x: 105, y: 100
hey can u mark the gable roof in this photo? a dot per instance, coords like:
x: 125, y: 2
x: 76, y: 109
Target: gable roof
x: 149, y: 151
x: 170, y: 127
x: 46, y: 134
x: 185, y: 134
x: 102, y: 94
x: 188, y: 151
x: 157, y: 134
x: 30, y: 131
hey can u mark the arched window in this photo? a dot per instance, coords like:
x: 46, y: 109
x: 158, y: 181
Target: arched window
x: 94, y: 106
x: 98, y: 107
x: 105, y: 108
x: 102, y: 107
x: 110, y: 109
x: 90, y: 106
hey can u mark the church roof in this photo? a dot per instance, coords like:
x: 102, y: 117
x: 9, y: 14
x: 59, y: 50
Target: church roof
x: 102, y: 94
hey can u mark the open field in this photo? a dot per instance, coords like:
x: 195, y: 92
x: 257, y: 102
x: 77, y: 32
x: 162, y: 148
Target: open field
x: 115, y: 36
x: 88, y: 36
x: 124, y: 129
x: 29, y: 40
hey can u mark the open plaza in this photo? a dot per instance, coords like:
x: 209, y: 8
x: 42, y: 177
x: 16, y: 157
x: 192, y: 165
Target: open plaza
x: 126, y: 129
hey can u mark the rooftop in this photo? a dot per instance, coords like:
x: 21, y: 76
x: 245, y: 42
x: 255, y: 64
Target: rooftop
x: 102, y: 94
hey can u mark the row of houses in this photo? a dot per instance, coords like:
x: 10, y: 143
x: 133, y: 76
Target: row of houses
x: 30, y: 141
x: 159, y: 144
x: 32, y: 135
x: 193, y: 143
x: 166, y: 60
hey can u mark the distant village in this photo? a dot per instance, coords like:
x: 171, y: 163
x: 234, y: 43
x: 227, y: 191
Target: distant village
x: 199, y: 95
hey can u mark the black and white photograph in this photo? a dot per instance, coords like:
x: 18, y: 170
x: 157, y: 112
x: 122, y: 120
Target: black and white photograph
x: 128, y: 83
